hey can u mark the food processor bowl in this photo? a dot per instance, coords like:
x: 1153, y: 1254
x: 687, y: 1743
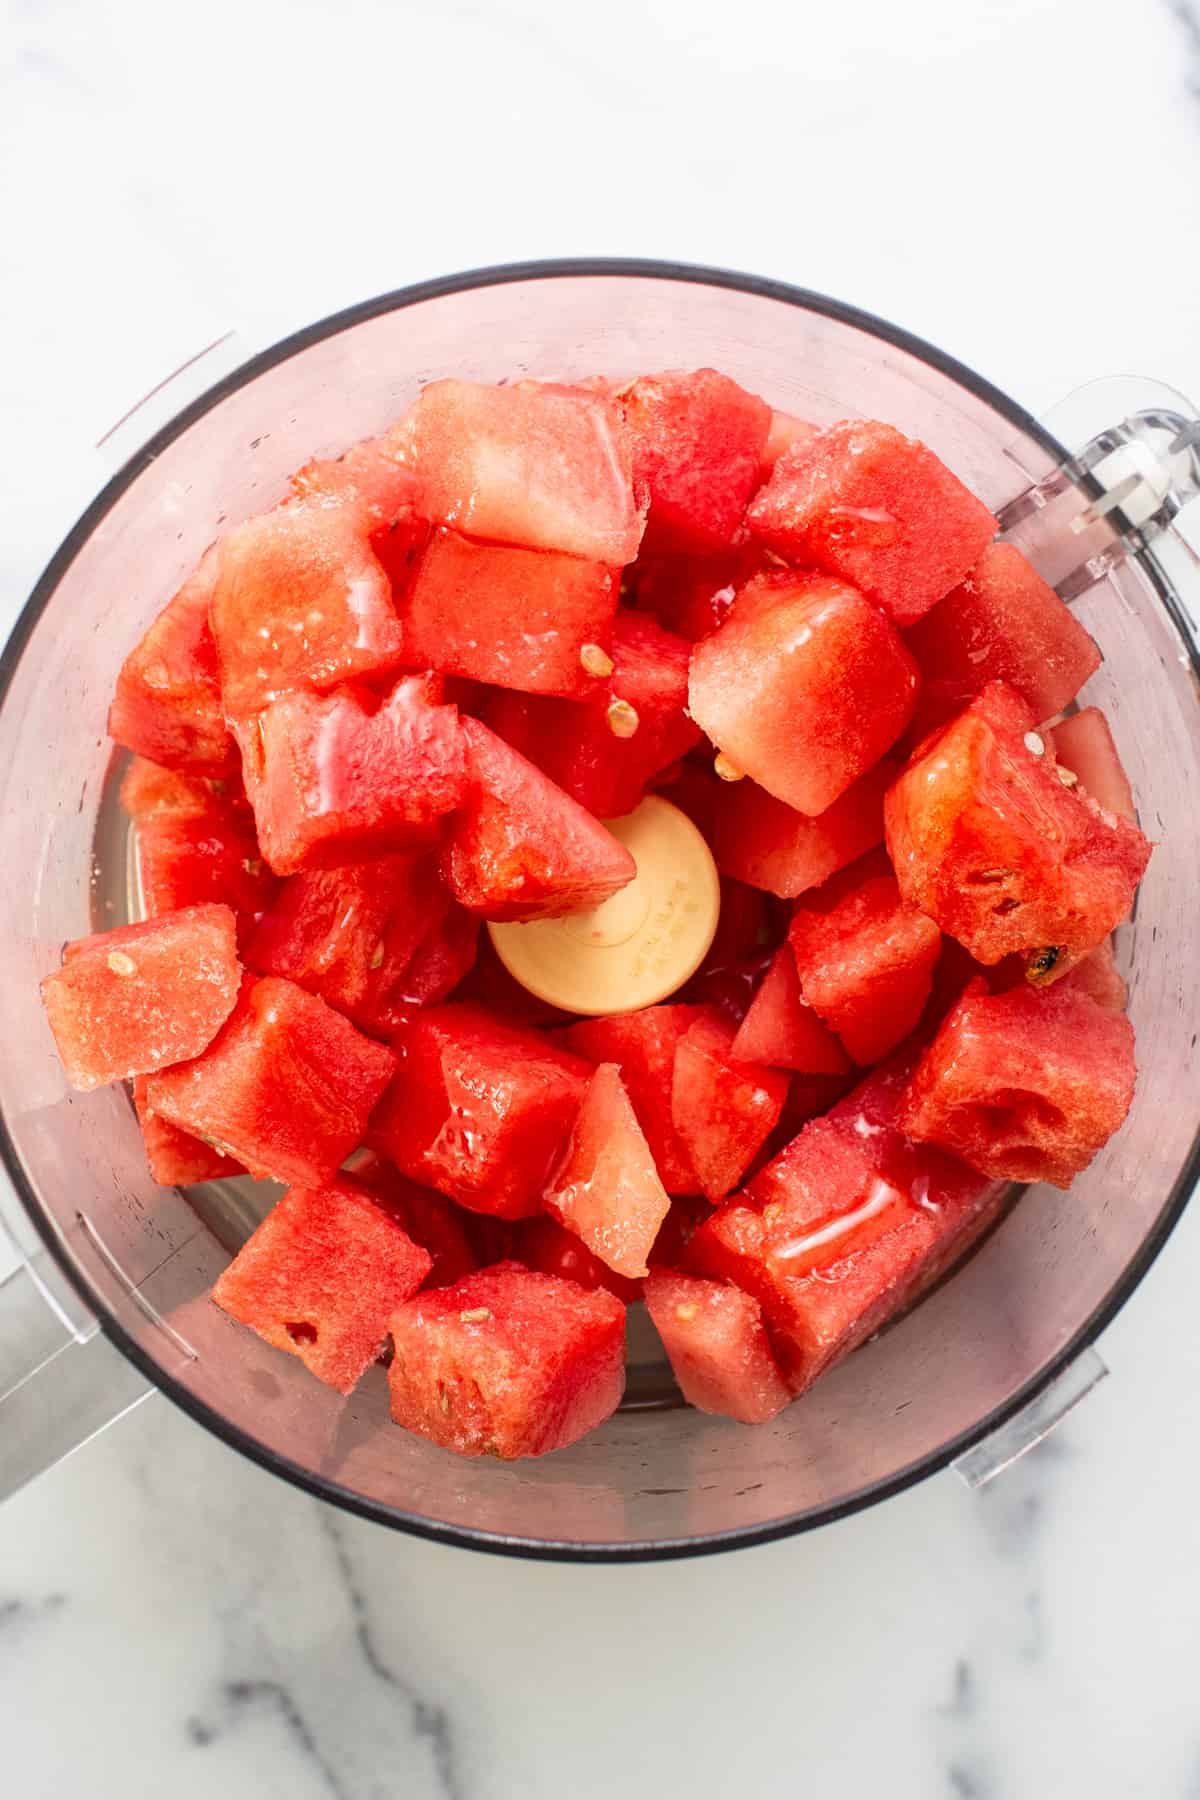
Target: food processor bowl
x: 107, y: 1258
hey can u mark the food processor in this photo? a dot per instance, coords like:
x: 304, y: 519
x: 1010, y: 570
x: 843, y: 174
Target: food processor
x: 106, y: 1295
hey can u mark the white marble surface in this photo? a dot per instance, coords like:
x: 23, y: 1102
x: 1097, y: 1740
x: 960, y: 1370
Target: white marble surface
x: 1015, y: 179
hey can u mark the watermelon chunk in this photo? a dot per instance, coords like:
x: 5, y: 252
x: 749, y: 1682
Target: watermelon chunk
x: 167, y: 703
x: 521, y: 848
x: 697, y: 440
x: 643, y: 1045
x: 429, y: 1219
x: 835, y: 1234
x: 368, y: 474
x: 441, y: 960
x: 286, y: 1087
x: 604, y: 752
x: 129, y: 1001
x: 1004, y: 623
x: 301, y: 602
x: 607, y: 1189
x: 516, y: 618
x: 479, y: 1109
x: 692, y: 595
x: 867, y: 504
x: 1084, y: 745
x: 191, y: 859
x: 723, y: 1110
x: 146, y: 787
x: 781, y: 1030
x: 507, y: 1363
x: 772, y: 846
x: 1098, y: 976
x: 987, y: 841
x: 547, y: 1246
x: 321, y: 1277
x: 176, y: 1158
x: 803, y: 688
x: 717, y: 1345
x: 1022, y: 1085
x: 338, y: 778
x: 865, y: 959
x: 546, y: 467
x: 349, y: 934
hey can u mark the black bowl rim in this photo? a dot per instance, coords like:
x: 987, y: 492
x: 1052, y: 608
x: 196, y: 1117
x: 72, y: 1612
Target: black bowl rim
x: 493, y: 1542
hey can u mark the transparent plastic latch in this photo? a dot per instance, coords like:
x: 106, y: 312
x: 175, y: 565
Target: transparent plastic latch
x: 977, y: 1466
x: 203, y: 369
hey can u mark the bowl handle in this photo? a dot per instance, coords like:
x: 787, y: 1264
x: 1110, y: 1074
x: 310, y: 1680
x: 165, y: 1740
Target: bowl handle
x: 1035, y: 1421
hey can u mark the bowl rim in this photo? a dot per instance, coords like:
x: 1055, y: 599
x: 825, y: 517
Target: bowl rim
x: 322, y: 1488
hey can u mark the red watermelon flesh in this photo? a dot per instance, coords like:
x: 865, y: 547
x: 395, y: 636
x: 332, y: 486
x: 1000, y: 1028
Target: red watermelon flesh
x: 349, y: 934
x: 146, y: 787
x: 786, y: 430
x: 342, y: 777
x: 783, y: 1032
x: 607, y: 1189
x: 516, y: 618
x: 1024, y: 1086
x: 479, y: 1109
x: 301, y: 602
x: 507, y: 1363
x: 803, y: 688
x: 692, y: 595
x: 987, y: 841
x: 522, y: 849
x: 867, y: 504
x: 834, y: 1235
x: 723, y: 1110
x: 541, y: 466
x: 136, y: 999
x: 188, y: 860
x: 580, y: 743
x: 547, y: 1246
x: 643, y: 1046
x: 176, y: 1158
x: 445, y: 955
x: 717, y: 1345
x: 167, y: 703
x: 865, y: 959
x: 1004, y: 623
x: 369, y: 475
x: 429, y: 1219
x: 321, y: 1277
x: 1084, y: 745
x: 1098, y: 976
x: 762, y: 841
x: 697, y: 440
x: 697, y: 792
x: 286, y: 1087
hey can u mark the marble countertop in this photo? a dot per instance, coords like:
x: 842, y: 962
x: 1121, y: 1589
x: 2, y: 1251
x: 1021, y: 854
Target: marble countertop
x: 1014, y: 179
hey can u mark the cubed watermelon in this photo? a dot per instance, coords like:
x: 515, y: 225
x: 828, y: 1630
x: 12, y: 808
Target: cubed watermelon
x: 1084, y: 745
x: 1022, y: 1085
x: 1098, y: 976
x: 697, y: 440
x: 167, y: 703
x: 547, y: 1246
x: 834, y: 1235
x: 369, y: 474
x: 136, y: 999
x: 146, y: 787
x: 784, y: 1032
x: 507, y: 1363
x: 190, y: 859
x: 350, y: 934
x: 772, y: 846
x: 604, y: 752
x: 338, y: 778
x: 429, y: 1219
x: 723, y: 1110
x: 863, y: 502
x: 607, y: 1189
x: 321, y: 1277
x: 441, y: 960
x: 547, y: 467
x: 804, y: 687
x: 522, y: 849
x: 987, y: 841
x: 176, y: 1158
x: 865, y: 958
x: 301, y: 601
x: 517, y: 618
x: 643, y: 1045
x: 692, y: 595
x: 479, y: 1109
x: 286, y: 1087
x: 1004, y: 623
x: 717, y: 1345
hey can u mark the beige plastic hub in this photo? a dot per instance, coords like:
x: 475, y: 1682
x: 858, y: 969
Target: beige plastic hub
x: 640, y: 945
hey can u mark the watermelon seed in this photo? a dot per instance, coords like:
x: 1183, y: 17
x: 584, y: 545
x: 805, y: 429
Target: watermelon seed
x: 686, y: 1312
x: 1068, y: 777
x: 728, y: 771
x: 771, y: 1213
x: 443, y: 1397
x: 120, y: 964
x: 475, y: 1315
x: 595, y: 660
x: 301, y: 1332
x: 377, y: 957
x: 622, y: 719
x: 1034, y: 743
x: 1040, y: 967
x: 253, y: 865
